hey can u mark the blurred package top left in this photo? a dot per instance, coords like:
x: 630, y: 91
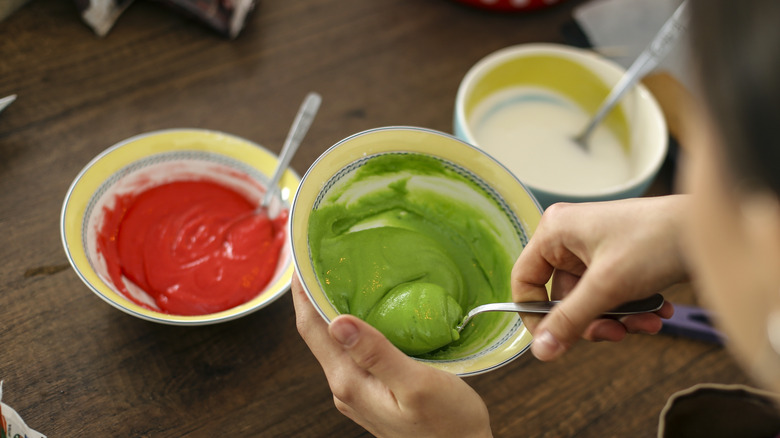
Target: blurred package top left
x: 11, y: 424
x: 225, y: 16
x: 8, y: 7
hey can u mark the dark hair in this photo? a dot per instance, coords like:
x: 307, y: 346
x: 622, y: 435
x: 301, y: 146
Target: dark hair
x: 737, y: 48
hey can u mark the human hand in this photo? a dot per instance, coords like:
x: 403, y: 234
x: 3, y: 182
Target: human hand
x: 599, y: 256
x: 382, y: 389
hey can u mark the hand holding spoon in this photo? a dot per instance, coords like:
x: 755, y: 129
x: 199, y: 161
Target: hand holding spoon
x: 647, y: 305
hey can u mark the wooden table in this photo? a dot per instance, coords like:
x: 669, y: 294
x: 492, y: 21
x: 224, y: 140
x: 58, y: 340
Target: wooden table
x: 74, y: 366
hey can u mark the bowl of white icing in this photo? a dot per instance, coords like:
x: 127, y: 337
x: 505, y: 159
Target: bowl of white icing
x: 524, y: 104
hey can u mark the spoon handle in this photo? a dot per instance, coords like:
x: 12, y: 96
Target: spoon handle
x: 650, y: 57
x: 298, y: 130
x: 4, y: 102
x: 646, y: 305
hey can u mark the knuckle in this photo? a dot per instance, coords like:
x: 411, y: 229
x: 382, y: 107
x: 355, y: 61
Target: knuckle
x: 608, y: 291
x: 422, y: 396
x: 570, y: 329
x: 415, y: 398
x: 555, y: 211
x: 368, y: 359
x: 302, y: 324
x: 608, y: 274
x: 342, y: 393
x: 342, y: 407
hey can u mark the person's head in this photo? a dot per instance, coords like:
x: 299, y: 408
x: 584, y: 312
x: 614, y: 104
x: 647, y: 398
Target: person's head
x: 733, y: 169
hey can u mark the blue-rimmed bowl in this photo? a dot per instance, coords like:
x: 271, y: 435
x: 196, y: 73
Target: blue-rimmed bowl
x: 510, y: 210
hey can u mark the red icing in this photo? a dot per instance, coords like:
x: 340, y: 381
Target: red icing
x: 195, y: 247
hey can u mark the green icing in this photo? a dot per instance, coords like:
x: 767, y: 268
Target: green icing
x: 417, y: 317
x: 399, y: 245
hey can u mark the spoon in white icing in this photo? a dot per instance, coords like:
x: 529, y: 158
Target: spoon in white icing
x: 649, y: 59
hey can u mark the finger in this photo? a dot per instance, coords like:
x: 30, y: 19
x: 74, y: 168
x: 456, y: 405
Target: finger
x: 351, y: 385
x: 373, y: 353
x: 666, y: 311
x: 605, y: 330
x: 648, y: 323
x: 314, y: 331
x: 562, y: 284
x: 567, y: 322
x: 310, y: 324
x: 530, y: 275
x: 350, y: 412
x: 616, y: 330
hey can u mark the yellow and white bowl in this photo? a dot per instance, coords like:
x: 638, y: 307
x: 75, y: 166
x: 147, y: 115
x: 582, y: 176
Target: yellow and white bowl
x: 516, y: 211
x: 154, y: 158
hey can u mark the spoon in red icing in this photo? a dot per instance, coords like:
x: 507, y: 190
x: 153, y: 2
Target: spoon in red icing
x: 298, y: 130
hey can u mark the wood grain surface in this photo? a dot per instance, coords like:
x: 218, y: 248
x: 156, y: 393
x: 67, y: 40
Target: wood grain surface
x: 75, y: 366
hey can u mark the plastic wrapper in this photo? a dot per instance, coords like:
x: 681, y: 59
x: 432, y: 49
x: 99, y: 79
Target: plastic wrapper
x: 621, y: 29
x: 225, y: 16
x: 8, y: 7
x: 100, y: 15
x: 11, y: 424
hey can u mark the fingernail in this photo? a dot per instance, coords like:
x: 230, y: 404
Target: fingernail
x: 546, y: 347
x: 345, y: 332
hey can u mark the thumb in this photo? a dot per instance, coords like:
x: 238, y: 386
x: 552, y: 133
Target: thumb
x: 371, y: 351
x: 566, y: 323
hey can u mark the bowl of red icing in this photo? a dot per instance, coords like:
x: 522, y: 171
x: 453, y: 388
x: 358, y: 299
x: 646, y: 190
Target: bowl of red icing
x: 165, y: 226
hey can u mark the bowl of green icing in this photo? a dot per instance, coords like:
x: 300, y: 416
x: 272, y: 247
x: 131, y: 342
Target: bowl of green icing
x: 409, y: 229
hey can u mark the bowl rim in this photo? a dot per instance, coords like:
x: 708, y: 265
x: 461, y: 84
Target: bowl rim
x: 640, y: 92
x: 301, y: 255
x: 74, y: 214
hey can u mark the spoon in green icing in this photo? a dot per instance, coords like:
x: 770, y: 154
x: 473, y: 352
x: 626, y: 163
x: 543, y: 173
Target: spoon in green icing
x: 646, y: 305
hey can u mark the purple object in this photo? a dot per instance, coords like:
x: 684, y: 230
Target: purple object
x: 692, y: 322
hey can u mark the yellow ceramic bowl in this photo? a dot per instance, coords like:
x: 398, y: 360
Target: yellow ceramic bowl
x: 151, y: 159
x: 515, y: 212
x: 584, y: 79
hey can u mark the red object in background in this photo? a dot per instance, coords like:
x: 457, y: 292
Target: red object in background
x: 510, y: 5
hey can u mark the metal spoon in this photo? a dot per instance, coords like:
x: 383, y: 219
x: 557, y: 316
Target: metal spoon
x: 646, y: 305
x: 4, y: 102
x: 298, y: 130
x: 653, y: 54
